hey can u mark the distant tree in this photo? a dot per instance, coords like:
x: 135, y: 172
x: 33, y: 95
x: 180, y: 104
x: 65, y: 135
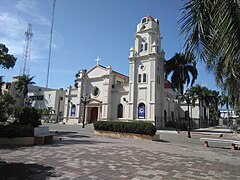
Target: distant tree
x: 1, y: 84
x: 22, y: 84
x: 5, y: 110
x: 6, y: 60
x: 48, y: 112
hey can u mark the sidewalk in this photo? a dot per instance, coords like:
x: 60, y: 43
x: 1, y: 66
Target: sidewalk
x: 78, y: 154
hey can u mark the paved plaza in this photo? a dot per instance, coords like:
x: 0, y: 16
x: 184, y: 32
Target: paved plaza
x: 78, y: 154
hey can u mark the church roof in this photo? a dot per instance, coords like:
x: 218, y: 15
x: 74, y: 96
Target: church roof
x: 120, y: 74
x: 150, y: 18
x: 115, y: 72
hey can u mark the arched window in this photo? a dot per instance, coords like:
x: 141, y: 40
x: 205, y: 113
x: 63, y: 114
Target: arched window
x: 146, y: 46
x: 172, y: 116
x: 144, y: 20
x: 95, y: 91
x: 139, y: 78
x: 141, y: 48
x: 73, y: 110
x: 141, y: 111
x: 120, y: 111
x: 144, y: 77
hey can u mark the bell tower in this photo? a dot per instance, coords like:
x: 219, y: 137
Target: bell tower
x: 146, y: 83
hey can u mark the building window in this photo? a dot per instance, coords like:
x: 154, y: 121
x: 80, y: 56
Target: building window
x: 139, y: 78
x: 165, y: 116
x: 172, y: 116
x: 120, y: 111
x: 144, y: 20
x: 38, y: 98
x: 95, y: 91
x: 8, y: 86
x: 141, y: 48
x: 146, y: 46
x: 144, y: 77
x: 73, y: 110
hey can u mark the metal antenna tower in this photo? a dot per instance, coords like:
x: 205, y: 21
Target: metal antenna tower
x: 50, y: 45
x: 26, y: 50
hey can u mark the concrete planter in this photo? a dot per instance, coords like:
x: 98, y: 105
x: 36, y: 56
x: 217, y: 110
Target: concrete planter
x: 126, y: 135
x: 23, y: 141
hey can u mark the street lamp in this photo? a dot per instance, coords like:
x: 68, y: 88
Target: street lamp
x: 84, y: 100
x: 187, y: 97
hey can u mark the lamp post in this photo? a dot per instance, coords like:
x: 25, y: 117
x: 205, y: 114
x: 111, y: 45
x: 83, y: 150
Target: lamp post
x: 187, y: 97
x: 84, y: 100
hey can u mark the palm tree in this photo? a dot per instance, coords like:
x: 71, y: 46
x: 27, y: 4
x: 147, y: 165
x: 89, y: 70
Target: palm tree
x: 22, y: 84
x: 180, y: 66
x: 77, y: 75
x: 197, y: 93
x: 205, y: 97
x: 225, y: 101
x: 211, y: 29
x: 48, y: 112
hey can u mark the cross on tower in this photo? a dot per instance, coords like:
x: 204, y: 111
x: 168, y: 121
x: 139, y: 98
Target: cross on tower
x: 97, y: 59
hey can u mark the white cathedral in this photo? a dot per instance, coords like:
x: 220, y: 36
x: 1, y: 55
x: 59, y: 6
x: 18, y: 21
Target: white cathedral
x: 104, y: 94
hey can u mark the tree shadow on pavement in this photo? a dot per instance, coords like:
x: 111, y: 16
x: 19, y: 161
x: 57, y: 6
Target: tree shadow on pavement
x: 25, y: 171
x: 70, y: 134
x: 72, y: 141
x: 162, y: 141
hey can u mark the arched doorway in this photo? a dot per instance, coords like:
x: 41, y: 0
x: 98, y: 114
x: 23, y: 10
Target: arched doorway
x: 120, y: 111
x: 93, y: 115
x: 141, y: 111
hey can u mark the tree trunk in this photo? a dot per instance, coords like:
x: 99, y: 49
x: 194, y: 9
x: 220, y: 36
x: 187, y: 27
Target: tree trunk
x: 200, y: 112
x: 178, y: 109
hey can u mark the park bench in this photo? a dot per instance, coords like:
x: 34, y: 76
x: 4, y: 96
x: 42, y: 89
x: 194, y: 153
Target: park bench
x: 42, y: 135
x: 233, y: 143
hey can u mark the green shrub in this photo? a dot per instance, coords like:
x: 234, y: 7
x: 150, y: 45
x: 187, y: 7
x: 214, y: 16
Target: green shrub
x: 137, y: 127
x: 27, y: 116
x: 12, y: 131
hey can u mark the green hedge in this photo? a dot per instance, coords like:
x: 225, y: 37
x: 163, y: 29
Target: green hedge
x: 27, y: 116
x: 137, y: 127
x: 12, y: 131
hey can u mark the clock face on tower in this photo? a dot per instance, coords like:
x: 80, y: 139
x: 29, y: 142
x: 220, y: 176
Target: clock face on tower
x: 142, y: 67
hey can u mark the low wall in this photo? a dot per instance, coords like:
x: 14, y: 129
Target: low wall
x: 23, y: 141
x: 126, y: 135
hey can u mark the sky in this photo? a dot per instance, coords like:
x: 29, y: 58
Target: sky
x: 83, y: 30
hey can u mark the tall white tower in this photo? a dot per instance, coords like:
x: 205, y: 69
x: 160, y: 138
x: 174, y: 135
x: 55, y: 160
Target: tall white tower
x: 146, y: 83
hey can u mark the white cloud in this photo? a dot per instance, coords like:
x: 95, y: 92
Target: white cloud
x: 30, y: 8
x: 14, y: 23
x: 12, y: 26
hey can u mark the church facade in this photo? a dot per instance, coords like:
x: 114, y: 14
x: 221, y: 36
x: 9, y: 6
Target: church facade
x: 104, y: 94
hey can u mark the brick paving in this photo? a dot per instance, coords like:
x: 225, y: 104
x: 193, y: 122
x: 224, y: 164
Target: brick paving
x: 77, y: 156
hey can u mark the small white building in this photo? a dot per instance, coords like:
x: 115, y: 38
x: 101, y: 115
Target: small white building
x: 198, y: 114
x: 42, y: 98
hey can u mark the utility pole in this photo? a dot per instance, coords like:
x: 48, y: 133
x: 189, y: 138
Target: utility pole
x: 50, y: 44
